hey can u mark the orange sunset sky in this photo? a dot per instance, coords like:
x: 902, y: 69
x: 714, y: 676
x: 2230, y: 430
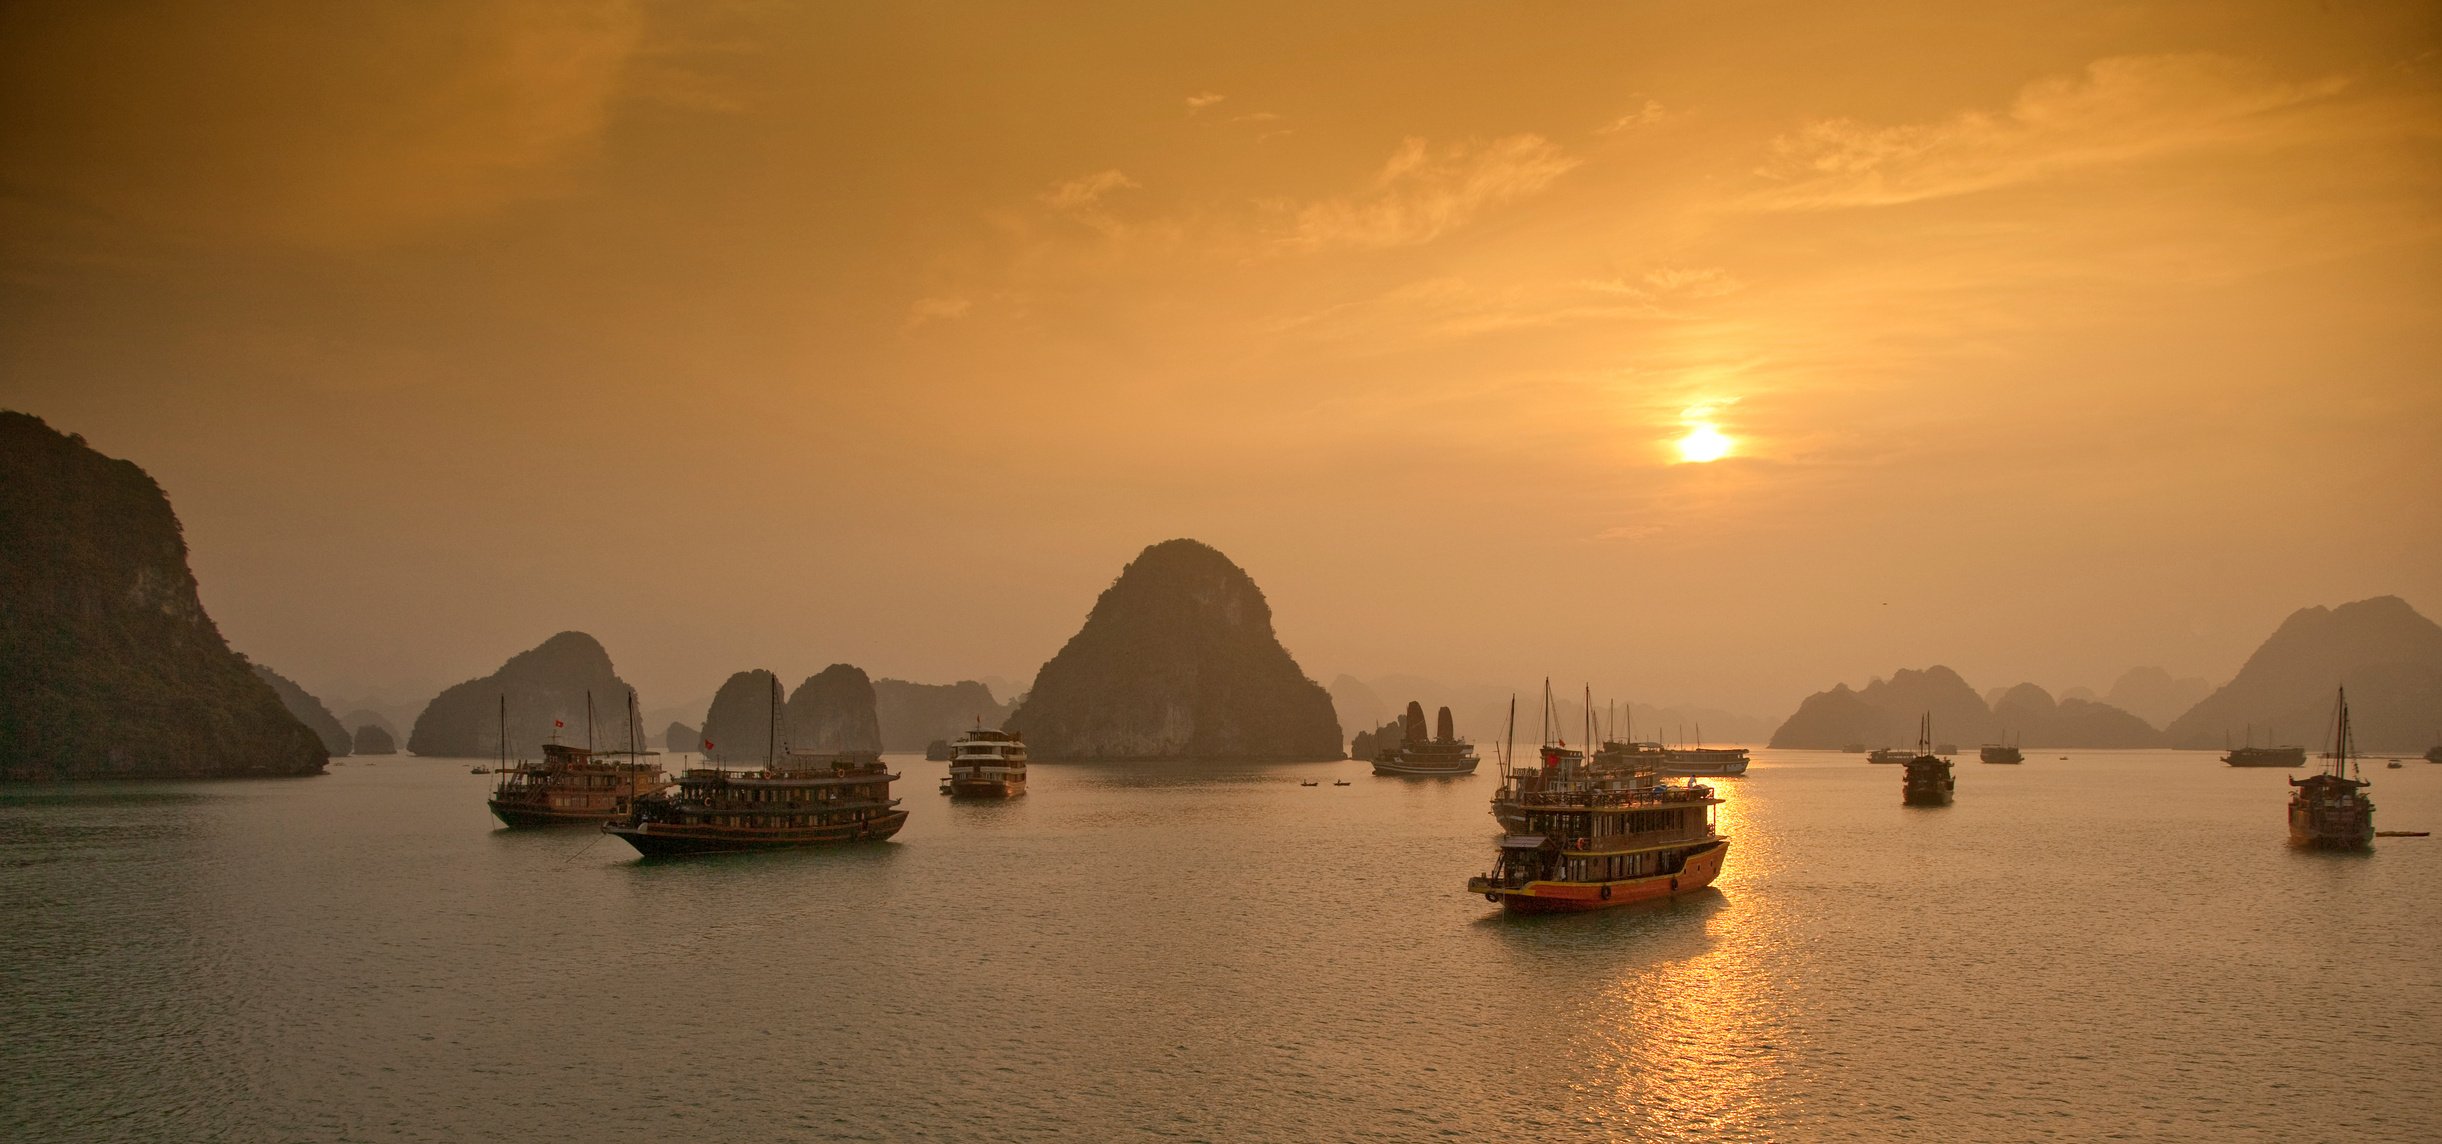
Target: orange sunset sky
x: 2039, y: 339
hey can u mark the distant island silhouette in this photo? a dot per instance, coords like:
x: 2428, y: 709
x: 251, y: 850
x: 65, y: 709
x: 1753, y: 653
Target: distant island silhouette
x: 309, y: 711
x: 546, y: 685
x: 2387, y: 654
x: 1178, y: 660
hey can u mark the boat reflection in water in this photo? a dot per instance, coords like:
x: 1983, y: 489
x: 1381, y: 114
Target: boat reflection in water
x: 1676, y: 1015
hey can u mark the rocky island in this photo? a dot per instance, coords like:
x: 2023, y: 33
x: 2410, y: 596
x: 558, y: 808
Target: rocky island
x: 308, y: 710
x: 1178, y: 660
x: 1884, y: 714
x: 832, y: 711
x: 372, y: 740
x: 1885, y: 711
x: 2386, y: 653
x: 546, y: 684
x: 913, y: 715
x: 739, y: 722
x: 109, y: 667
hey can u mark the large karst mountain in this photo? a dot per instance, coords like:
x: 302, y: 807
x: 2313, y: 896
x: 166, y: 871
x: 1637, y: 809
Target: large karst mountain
x: 833, y: 711
x: 1178, y: 660
x: 2388, y: 655
x: 552, y: 682
x: 109, y: 667
x: 744, y: 722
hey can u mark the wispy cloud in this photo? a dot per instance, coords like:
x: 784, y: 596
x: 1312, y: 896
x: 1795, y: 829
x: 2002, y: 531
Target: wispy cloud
x: 1203, y: 99
x: 1670, y: 284
x: 1425, y: 191
x: 2120, y: 110
x: 1081, y: 199
x: 1645, y: 115
x: 942, y: 309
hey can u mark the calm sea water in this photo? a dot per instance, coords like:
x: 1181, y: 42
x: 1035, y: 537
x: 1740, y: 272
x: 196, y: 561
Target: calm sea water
x: 2109, y: 945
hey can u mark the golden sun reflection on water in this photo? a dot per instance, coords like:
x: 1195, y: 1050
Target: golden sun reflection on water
x: 1692, y: 1047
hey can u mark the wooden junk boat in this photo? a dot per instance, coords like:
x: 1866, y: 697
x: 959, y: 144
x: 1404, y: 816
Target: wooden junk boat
x: 1928, y: 780
x: 799, y: 798
x: 1584, y: 836
x: 987, y: 764
x: 2251, y: 755
x: 2330, y: 811
x: 1444, y: 755
x: 573, y: 786
x: 2000, y: 753
x: 1631, y: 754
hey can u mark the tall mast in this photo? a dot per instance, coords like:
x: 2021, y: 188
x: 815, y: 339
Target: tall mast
x: 631, y: 721
x: 771, y: 736
x: 1510, y: 737
x: 504, y: 730
x: 589, y: 721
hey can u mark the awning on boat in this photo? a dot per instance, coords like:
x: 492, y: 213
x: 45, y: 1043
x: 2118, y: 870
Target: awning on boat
x: 1522, y: 842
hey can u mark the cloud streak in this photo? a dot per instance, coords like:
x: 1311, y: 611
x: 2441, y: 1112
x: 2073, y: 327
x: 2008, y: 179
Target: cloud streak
x: 2122, y: 110
x: 1424, y: 191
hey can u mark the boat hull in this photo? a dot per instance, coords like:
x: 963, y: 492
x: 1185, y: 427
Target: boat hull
x: 667, y: 840
x: 1546, y: 897
x: 521, y: 815
x: 987, y: 788
x: 1727, y: 768
x: 2331, y: 840
x: 1398, y: 769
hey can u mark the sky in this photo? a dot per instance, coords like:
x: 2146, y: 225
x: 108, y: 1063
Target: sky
x: 2041, y: 340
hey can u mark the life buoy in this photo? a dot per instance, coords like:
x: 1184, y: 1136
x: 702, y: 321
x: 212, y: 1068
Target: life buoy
x: 1491, y: 896
x: 1606, y: 891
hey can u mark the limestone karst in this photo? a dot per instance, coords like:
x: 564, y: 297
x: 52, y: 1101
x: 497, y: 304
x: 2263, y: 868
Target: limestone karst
x: 109, y: 667
x: 1178, y: 660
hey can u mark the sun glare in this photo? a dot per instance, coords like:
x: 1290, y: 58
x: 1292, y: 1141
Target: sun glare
x: 1703, y: 443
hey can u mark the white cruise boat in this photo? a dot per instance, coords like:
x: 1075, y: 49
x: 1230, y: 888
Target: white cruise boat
x: 987, y: 764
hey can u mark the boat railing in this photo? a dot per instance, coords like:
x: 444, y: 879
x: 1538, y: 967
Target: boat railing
x: 1642, y: 796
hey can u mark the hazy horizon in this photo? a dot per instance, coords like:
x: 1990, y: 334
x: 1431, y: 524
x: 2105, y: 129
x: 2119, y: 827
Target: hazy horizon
x: 2040, y: 343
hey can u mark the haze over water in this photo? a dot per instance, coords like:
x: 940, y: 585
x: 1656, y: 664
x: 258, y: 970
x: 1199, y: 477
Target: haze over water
x: 2108, y: 945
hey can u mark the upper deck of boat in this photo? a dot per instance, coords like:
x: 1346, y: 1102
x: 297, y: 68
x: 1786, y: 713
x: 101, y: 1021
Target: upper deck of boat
x: 789, y: 777
x: 1608, y: 798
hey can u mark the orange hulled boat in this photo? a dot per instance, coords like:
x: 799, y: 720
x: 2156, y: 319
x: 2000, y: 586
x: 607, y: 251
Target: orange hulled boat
x: 1584, y: 839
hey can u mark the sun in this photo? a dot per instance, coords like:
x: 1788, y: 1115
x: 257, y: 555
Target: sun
x: 1704, y: 443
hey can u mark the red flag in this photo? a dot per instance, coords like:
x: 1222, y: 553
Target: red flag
x: 557, y: 723
x: 707, y: 744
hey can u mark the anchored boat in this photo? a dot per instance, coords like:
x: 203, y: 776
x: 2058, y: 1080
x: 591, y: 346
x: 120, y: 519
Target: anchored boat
x: 1444, y: 755
x: 1584, y: 836
x: 1928, y: 780
x: 2251, y: 755
x: 987, y: 764
x: 2330, y: 811
x: 574, y: 786
x: 798, y: 799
